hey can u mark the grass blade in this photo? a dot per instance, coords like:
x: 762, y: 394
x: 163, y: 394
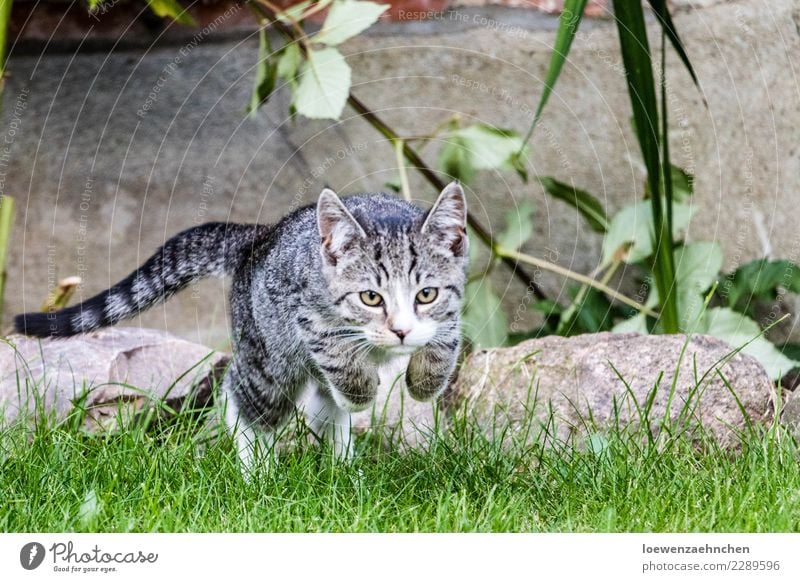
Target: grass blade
x: 567, y: 27
x: 666, y: 166
x: 6, y: 220
x: 5, y: 17
x: 668, y: 28
x: 266, y: 73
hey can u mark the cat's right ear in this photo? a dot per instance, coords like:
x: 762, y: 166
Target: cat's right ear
x: 447, y: 220
x: 338, y: 229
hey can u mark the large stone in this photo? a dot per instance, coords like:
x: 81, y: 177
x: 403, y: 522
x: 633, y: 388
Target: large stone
x: 103, y: 370
x: 128, y: 368
x: 590, y: 381
x: 791, y: 413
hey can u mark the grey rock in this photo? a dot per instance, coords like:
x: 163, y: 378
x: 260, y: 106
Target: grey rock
x: 127, y: 368
x: 116, y: 369
x: 579, y: 379
x: 790, y: 416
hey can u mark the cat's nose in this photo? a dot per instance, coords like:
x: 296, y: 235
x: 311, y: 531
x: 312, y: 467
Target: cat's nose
x: 401, y: 333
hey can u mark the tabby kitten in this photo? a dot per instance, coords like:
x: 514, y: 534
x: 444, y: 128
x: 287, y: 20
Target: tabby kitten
x: 323, y: 301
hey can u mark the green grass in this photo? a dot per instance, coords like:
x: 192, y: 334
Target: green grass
x: 183, y: 477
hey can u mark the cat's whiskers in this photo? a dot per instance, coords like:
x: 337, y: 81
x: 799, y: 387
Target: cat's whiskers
x: 357, y: 345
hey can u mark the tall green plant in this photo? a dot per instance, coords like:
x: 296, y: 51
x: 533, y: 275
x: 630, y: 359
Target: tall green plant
x: 641, y: 88
x: 651, y: 128
x: 5, y: 15
x: 6, y: 220
x: 6, y: 202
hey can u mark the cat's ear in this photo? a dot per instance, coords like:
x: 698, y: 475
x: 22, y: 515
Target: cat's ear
x: 447, y: 220
x: 338, y: 229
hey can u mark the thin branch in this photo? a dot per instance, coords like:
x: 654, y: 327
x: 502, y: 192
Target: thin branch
x: 401, y: 168
x: 296, y: 32
x: 564, y: 272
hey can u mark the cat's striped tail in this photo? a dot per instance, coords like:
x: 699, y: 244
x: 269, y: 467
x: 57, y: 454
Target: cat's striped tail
x: 215, y: 249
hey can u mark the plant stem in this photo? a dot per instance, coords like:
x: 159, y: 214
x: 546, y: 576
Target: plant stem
x: 574, y: 307
x: 564, y: 272
x: 401, y: 168
x: 5, y: 16
x: 296, y: 32
x: 6, y: 220
x: 6, y: 202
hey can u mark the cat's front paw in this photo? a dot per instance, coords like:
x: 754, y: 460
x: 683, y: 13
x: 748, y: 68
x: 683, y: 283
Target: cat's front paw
x: 355, y: 389
x: 428, y: 374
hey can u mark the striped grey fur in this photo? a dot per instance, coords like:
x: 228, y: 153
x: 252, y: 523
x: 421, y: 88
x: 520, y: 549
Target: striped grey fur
x: 210, y: 250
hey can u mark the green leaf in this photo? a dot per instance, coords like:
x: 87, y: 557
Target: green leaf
x: 664, y: 18
x: 635, y: 324
x: 682, y: 185
x: 737, y: 329
x: 568, y: 24
x: 324, y: 85
x: 591, y: 315
x: 348, y: 18
x: 483, y: 320
x: 791, y: 351
x: 455, y: 161
x: 697, y: 267
x: 589, y: 206
x: 490, y: 148
x: 295, y: 12
x: 289, y: 63
x: 517, y: 161
x: 519, y: 227
x: 475, y: 247
x: 393, y: 184
x: 90, y: 508
x: 171, y: 9
x: 759, y: 280
x: 641, y: 89
x: 634, y: 224
x: 266, y: 73
x: 548, y: 307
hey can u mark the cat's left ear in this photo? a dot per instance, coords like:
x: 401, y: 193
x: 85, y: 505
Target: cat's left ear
x: 338, y: 229
x: 447, y: 220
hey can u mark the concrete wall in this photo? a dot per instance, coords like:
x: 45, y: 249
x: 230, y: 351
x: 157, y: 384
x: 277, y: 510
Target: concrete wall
x: 103, y: 172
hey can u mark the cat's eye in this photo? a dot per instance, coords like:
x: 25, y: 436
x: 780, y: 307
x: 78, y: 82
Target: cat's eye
x: 371, y: 298
x: 427, y: 295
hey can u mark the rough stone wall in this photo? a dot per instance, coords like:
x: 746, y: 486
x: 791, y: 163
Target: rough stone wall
x: 104, y: 171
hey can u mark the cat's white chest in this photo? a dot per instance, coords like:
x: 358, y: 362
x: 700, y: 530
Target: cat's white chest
x: 392, y: 373
x: 393, y: 410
